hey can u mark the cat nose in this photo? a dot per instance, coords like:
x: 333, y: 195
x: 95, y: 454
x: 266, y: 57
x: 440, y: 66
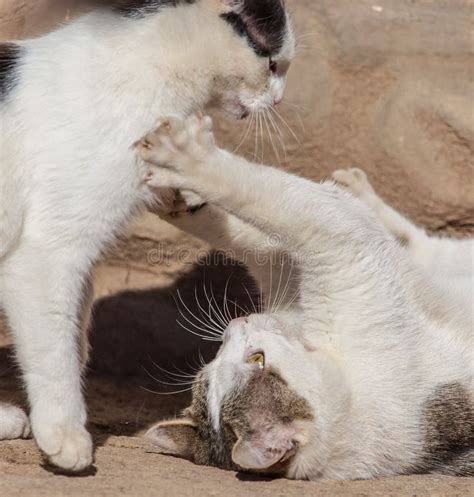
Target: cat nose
x: 277, y: 100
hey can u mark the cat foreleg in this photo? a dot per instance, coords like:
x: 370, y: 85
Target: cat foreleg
x: 215, y: 226
x: 182, y: 154
x: 43, y: 292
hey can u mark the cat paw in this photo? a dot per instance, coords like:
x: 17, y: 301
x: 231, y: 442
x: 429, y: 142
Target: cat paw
x: 67, y: 447
x: 14, y: 423
x: 355, y: 180
x: 176, y: 145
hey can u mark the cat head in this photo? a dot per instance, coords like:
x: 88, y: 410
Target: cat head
x: 244, y: 48
x: 262, y: 44
x: 253, y: 407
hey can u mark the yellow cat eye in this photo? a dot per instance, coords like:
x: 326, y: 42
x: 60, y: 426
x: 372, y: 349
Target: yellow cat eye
x: 257, y: 358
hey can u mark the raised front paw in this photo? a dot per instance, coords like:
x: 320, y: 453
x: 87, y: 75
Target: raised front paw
x: 177, y: 145
x: 355, y: 180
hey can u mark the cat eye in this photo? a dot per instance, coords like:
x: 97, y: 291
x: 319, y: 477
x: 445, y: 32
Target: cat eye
x: 273, y: 66
x: 257, y: 358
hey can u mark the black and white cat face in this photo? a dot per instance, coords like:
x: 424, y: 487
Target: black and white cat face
x: 262, y: 58
x: 250, y: 409
x: 246, y: 47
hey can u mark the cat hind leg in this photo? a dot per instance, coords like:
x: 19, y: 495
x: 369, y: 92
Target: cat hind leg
x: 355, y: 180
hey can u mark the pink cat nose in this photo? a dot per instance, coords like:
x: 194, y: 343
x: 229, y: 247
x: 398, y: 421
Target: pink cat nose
x: 277, y: 100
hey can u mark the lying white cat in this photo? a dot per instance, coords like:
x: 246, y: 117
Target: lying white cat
x: 369, y: 372
x: 71, y: 104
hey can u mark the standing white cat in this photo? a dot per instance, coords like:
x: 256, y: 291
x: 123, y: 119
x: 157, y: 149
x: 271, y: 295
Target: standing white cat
x: 71, y: 105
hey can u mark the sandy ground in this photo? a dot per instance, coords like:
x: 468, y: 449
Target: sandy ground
x: 385, y: 85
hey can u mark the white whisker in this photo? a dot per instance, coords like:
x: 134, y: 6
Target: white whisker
x: 293, y: 299
x: 215, y: 325
x: 275, y: 149
x: 225, y: 321
x: 286, y: 288
x: 216, y: 310
x: 207, y: 329
x: 238, y: 306
x: 224, y: 303
x: 209, y: 338
x: 167, y: 393
x: 246, y: 133
x: 278, y: 133
x: 269, y: 302
x: 278, y: 290
x: 283, y: 120
x: 297, y: 109
x: 256, y: 138
x: 180, y: 374
x: 250, y: 298
x: 193, y: 315
x: 202, y: 362
x: 174, y: 384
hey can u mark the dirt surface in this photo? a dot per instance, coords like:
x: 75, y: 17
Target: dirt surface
x: 386, y: 85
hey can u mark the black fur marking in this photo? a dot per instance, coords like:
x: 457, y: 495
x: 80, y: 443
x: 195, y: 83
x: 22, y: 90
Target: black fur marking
x: 241, y: 28
x: 449, y: 439
x: 10, y: 54
x: 262, y: 22
x: 142, y: 8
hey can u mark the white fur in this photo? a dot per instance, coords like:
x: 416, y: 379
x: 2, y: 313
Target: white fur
x: 13, y: 422
x: 70, y: 178
x: 374, y: 331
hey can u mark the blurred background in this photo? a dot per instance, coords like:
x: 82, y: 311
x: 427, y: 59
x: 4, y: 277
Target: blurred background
x: 385, y: 85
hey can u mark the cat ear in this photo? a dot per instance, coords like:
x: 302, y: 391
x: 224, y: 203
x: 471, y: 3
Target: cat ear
x: 175, y: 437
x: 265, y: 448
